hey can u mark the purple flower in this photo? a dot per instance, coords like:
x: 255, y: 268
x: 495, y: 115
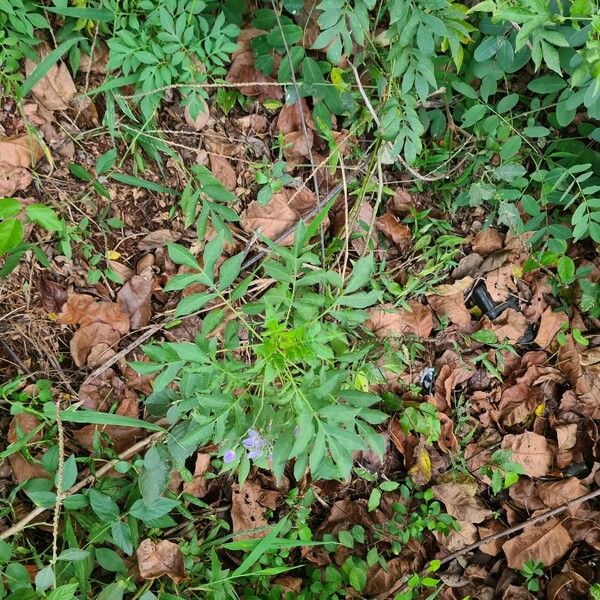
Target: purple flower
x: 255, y: 444
x: 228, y: 456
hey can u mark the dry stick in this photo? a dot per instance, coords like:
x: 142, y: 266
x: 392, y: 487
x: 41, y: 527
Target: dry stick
x: 20, y: 525
x: 401, y: 585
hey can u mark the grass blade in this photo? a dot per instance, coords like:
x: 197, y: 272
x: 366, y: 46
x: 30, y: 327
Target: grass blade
x: 46, y: 64
x: 91, y: 417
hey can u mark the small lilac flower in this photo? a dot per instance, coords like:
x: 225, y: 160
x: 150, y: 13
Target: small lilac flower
x: 255, y: 444
x: 228, y: 456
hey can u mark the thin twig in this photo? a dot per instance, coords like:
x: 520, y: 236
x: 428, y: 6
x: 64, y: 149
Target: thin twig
x: 401, y: 585
x: 20, y: 525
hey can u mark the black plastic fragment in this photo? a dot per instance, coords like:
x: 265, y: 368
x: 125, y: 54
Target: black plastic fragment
x: 481, y: 298
x: 427, y: 380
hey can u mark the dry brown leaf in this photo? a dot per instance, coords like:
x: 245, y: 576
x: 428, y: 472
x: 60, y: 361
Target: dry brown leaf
x: 547, y: 542
x: 202, y: 117
x: 248, y: 505
x: 221, y: 168
x: 17, y: 155
x: 395, y: 231
x: 456, y: 540
x: 450, y: 300
x: 272, y: 219
x: 158, y: 238
x: 550, y: 324
x: 500, y: 283
x: 488, y: 241
x: 510, y: 325
x: 389, y: 321
x: 199, y: 485
x: 566, y: 586
x: 96, y: 63
x: 555, y: 493
x: 380, y: 581
x: 467, y: 266
x: 82, y: 309
x: 123, y: 272
x: 460, y: 502
x: 242, y: 70
x: 531, y: 451
x: 56, y: 88
x: 289, y: 119
x: 134, y: 299
x: 288, y: 584
x: 87, y: 338
x: 566, y: 435
x: 516, y: 592
x: 52, y: 295
x: 22, y: 469
x: 156, y: 559
x: 494, y: 547
x: 297, y: 147
x: 253, y: 122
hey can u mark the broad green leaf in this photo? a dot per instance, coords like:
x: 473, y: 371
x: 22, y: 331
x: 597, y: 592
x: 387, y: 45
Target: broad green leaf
x: 44, y: 216
x: 63, y: 592
x: 11, y: 234
x: 103, y: 506
x: 361, y: 273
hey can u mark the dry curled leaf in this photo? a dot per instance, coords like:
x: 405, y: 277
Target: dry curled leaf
x: 199, y: 485
x: 56, y: 88
x: 17, y: 155
x: 531, y: 451
x: 202, y: 117
x: 460, y: 502
x: 52, y: 295
x: 22, y: 469
x: 93, y: 344
x: 488, y: 241
x: 389, y: 321
x: 547, y: 542
x: 395, y: 231
x: 134, y: 299
x: 449, y: 300
x: 272, y: 219
x: 158, y: 238
x: 510, y: 325
x: 82, y: 309
x: 243, y: 71
x: 248, y: 505
x: 156, y: 559
x: 221, y: 168
x: 550, y: 324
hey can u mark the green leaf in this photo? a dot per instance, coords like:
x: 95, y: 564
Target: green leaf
x: 566, y: 269
x: 143, y: 183
x: 109, y: 560
x: 374, y: 499
x: 357, y: 578
x: 43, y: 216
x: 92, y: 14
x: 47, y: 63
x: 229, y: 270
x: 5, y: 551
x: 361, y: 273
x: 547, y: 84
x: 182, y: 256
x: 69, y: 473
x: 79, y: 172
x: 11, y: 234
x: 510, y: 147
x: 104, y: 506
x: 44, y: 579
x: 92, y: 417
x: 73, y: 554
x: 63, y: 592
x: 148, y: 512
x: 113, y: 591
x: 121, y: 535
x: 473, y: 115
x: 105, y: 161
x: 9, y: 207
